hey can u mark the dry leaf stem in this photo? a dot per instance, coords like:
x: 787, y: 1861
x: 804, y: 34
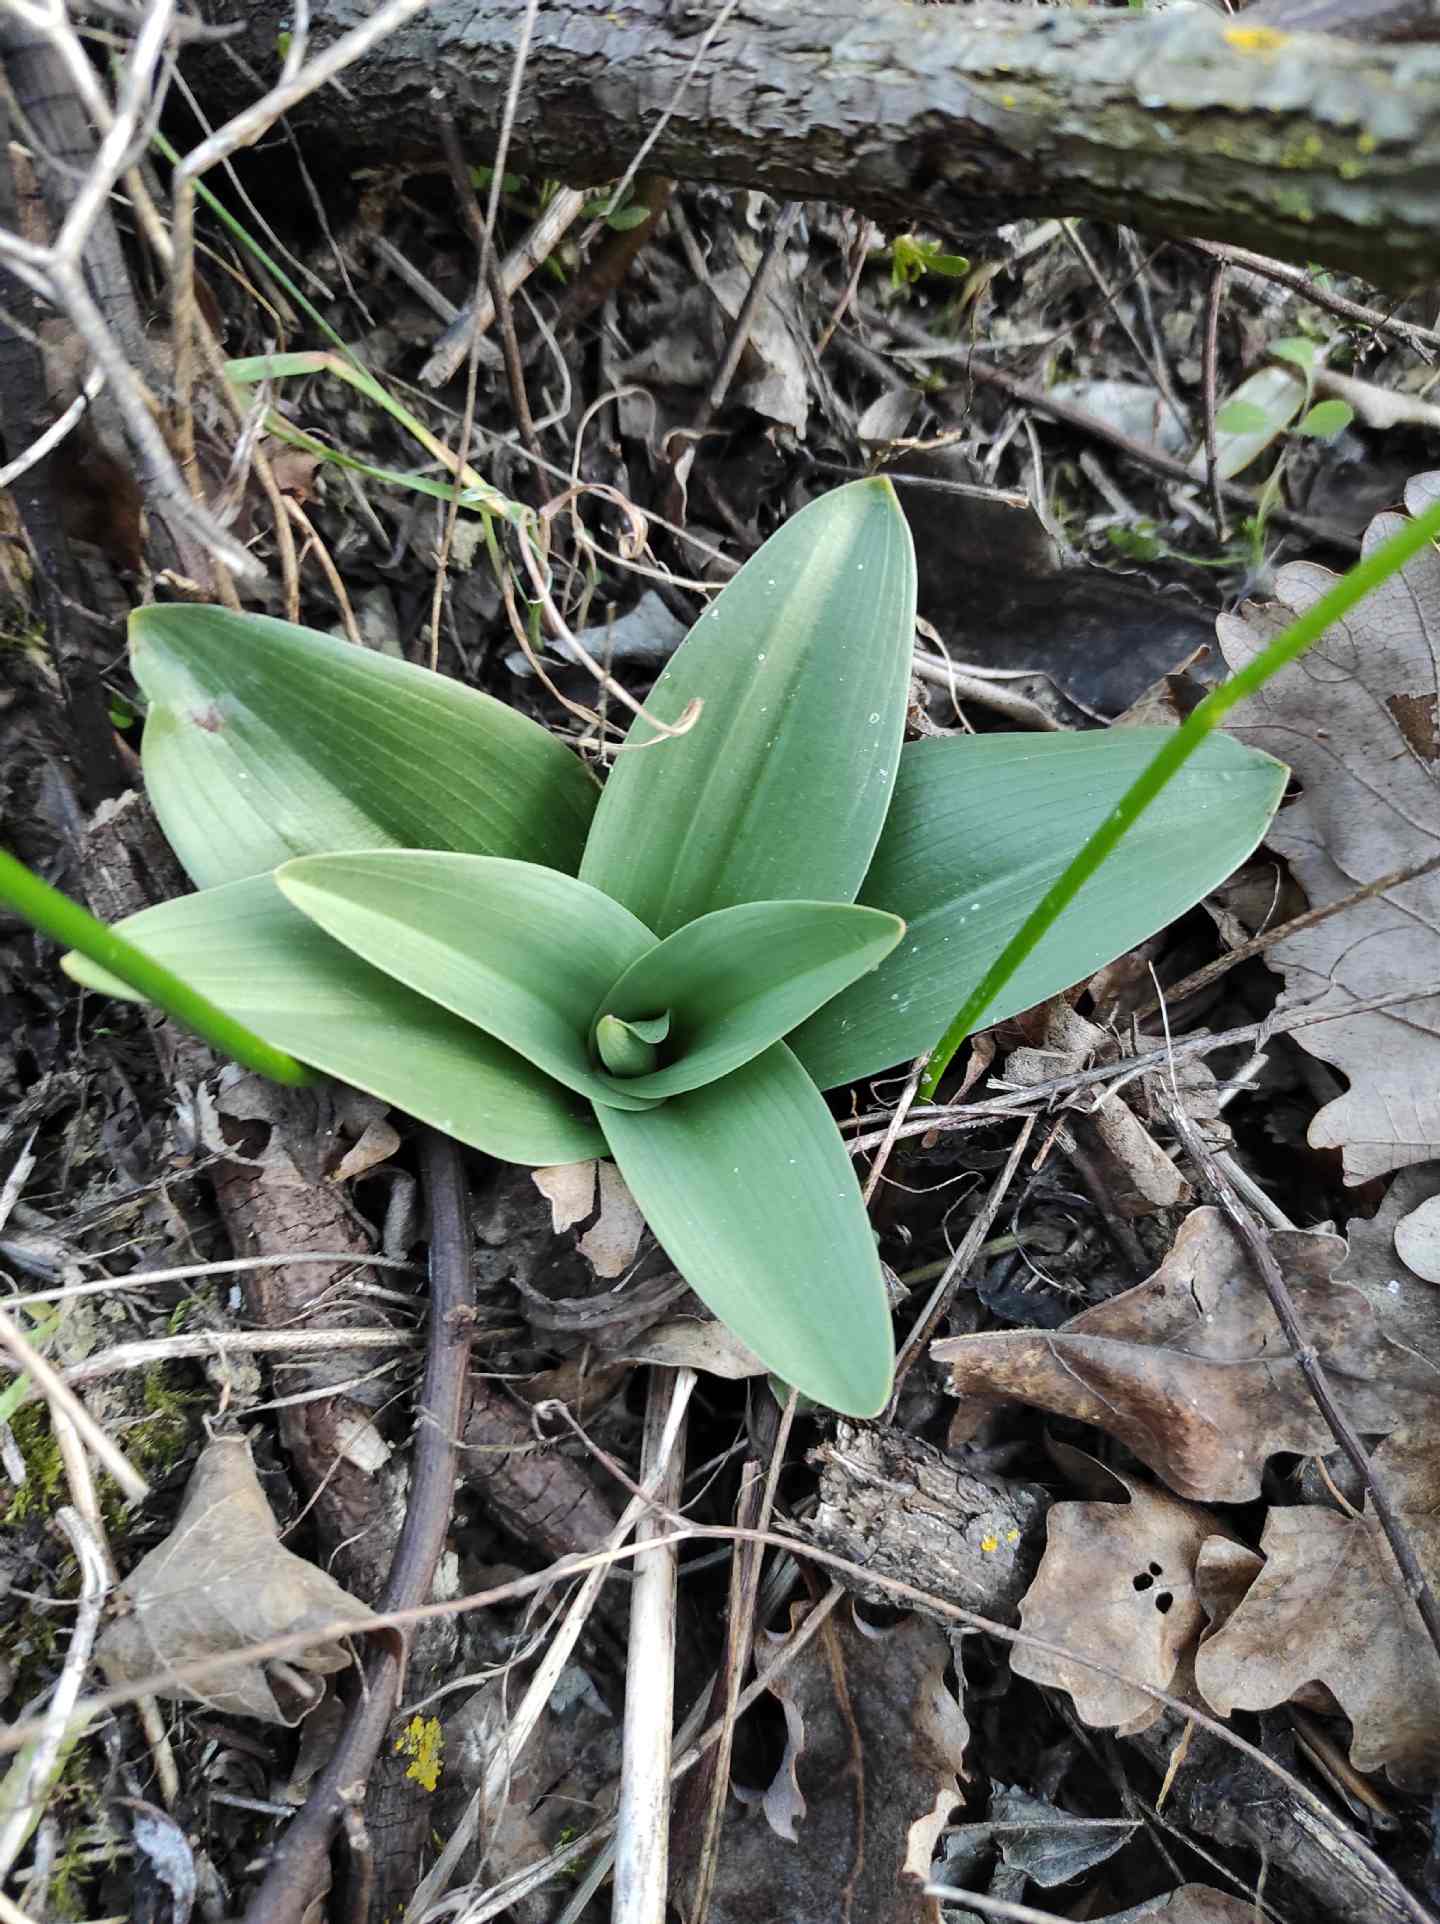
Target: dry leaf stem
x: 975, y: 1115
x: 1311, y: 1368
x: 298, y: 1864
x: 493, y: 1789
x: 56, y: 1392
x: 1267, y: 938
x: 1147, y: 457
x: 1311, y: 290
x: 754, y: 1508
x: 642, y: 1838
x: 959, y: 1263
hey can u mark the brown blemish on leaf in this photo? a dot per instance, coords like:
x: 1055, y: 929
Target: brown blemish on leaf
x: 210, y: 719
x: 1415, y: 718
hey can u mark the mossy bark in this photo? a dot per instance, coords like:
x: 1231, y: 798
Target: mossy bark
x: 1182, y: 122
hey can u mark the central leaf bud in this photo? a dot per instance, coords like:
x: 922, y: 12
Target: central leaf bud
x: 631, y: 1048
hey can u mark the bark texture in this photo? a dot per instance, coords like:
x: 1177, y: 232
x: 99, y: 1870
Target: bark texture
x: 1310, y: 146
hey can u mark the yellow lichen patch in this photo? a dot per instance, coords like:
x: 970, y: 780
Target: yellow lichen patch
x: 989, y: 1545
x: 423, y: 1742
x: 1256, y: 39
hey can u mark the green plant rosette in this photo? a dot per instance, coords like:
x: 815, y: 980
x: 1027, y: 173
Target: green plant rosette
x: 413, y: 888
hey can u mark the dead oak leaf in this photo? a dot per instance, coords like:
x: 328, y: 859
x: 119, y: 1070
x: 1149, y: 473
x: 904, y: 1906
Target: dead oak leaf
x: 1356, y: 718
x: 848, y: 1827
x: 1191, y: 1904
x: 220, y: 1581
x: 1395, y: 1260
x: 1116, y: 1585
x: 1330, y: 1606
x: 1191, y: 1370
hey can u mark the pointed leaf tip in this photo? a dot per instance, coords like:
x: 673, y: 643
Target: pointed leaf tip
x: 780, y: 789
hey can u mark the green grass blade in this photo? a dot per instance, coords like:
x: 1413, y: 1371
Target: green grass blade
x: 737, y: 981
x: 749, y: 1188
x: 1178, y: 748
x: 523, y: 952
x: 980, y: 829
x: 779, y: 790
x: 264, y: 741
x: 266, y: 964
x: 178, y: 994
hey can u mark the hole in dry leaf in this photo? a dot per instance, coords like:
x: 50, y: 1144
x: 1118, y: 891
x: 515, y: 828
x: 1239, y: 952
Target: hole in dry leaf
x: 1157, y: 1570
x: 1163, y: 1602
x: 1142, y: 1582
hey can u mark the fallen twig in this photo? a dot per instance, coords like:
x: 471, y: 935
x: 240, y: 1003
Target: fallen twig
x: 297, y: 1865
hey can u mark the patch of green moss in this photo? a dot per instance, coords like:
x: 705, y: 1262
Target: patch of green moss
x: 157, y: 1442
x: 154, y: 1443
x: 43, y: 1489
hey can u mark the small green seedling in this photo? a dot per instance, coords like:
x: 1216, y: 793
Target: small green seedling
x: 407, y: 885
x: 912, y: 258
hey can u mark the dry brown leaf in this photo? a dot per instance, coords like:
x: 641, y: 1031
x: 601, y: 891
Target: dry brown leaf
x: 1357, y: 719
x: 1116, y: 1584
x: 1191, y: 1904
x: 684, y: 1342
x: 222, y: 1580
x: 1330, y: 1606
x: 1135, y: 1169
x: 569, y: 1188
x: 848, y: 1827
x: 1384, y: 1251
x: 1191, y: 1370
x: 609, y: 1245
x: 378, y: 1143
x: 1417, y: 1239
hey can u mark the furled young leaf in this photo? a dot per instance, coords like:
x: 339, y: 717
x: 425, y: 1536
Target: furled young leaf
x: 736, y: 981
x: 749, y: 1188
x: 264, y: 741
x: 779, y: 790
x: 980, y: 828
x: 524, y: 953
x: 260, y: 960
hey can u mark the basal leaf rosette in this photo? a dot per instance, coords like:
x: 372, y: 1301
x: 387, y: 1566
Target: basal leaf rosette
x: 724, y: 1140
x: 411, y: 887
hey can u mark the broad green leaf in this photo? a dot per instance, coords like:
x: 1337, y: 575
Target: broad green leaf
x: 1257, y: 414
x: 1296, y: 348
x: 1325, y: 420
x: 779, y: 790
x: 264, y: 741
x: 981, y: 827
x: 749, y: 1188
x: 261, y: 960
x: 1242, y: 417
x: 736, y: 981
x: 523, y: 952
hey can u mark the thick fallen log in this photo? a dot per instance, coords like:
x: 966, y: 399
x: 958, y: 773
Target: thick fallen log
x: 1309, y: 146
